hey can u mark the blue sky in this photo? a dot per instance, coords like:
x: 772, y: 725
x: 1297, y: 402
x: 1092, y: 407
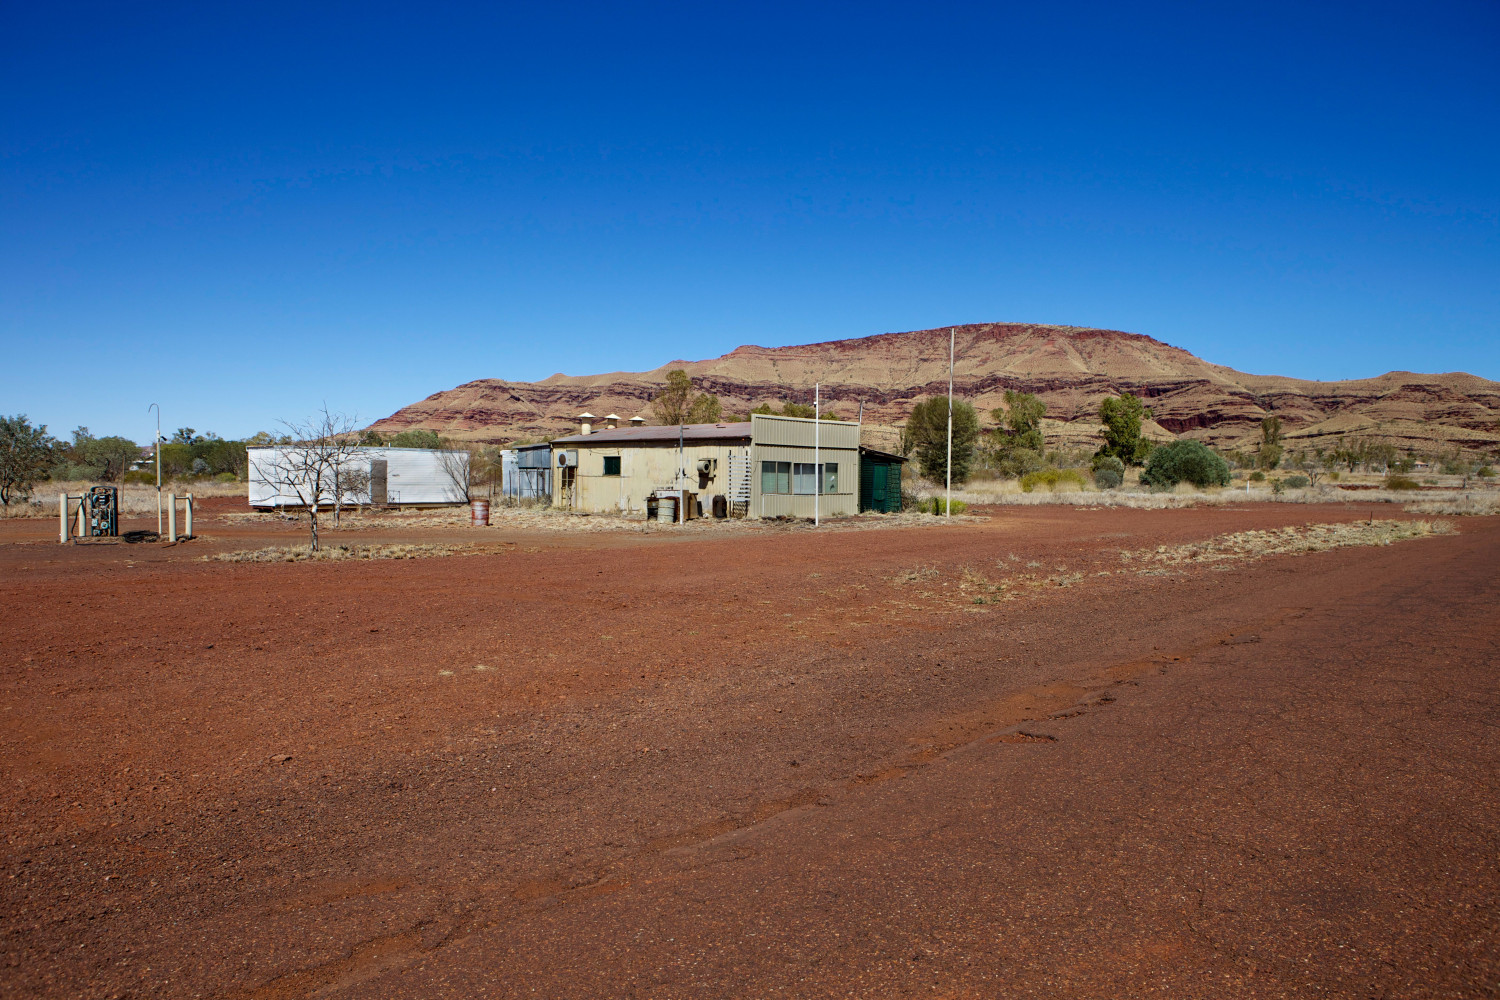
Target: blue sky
x: 243, y: 211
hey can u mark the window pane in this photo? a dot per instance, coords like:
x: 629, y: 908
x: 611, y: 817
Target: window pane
x: 768, y: 477
x: 783, y: 477
x: 802, y: 478
x: 831, y: 477
x: 611, y: 465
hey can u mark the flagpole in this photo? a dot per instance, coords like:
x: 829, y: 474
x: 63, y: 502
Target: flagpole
x: 817, y: 469
x: 948, y: 509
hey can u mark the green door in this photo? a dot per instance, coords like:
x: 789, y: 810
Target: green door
x: 877, y: 492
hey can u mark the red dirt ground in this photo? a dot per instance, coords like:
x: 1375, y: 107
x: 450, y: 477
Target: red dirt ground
x: 753, y: 765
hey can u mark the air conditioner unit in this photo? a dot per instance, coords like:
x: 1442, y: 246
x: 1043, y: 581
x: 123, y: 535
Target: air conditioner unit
x: 567, y: 459
x: 707, y: 466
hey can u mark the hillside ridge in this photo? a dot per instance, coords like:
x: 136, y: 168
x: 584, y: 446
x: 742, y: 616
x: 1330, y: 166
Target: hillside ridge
x: 1071, y: 368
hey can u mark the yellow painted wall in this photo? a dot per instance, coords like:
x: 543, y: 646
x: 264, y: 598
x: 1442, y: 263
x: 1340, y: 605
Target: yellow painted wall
x: 644, y: 467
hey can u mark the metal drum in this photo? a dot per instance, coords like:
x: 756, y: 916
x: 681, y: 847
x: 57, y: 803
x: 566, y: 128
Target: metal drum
x: 480, y: 511
x: 666, y: 509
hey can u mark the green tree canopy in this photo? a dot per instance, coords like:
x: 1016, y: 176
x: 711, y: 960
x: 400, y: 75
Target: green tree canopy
x: 802, y: 410
x: 1122, y: 417
x: 1270, y: 453
x: 676, y: 403
x: 26, y: 453
x: 416, y: 438
x: 1022, y: 417
x: 926, y: 434
x: 1016, y: 445
x: 1185, y: 461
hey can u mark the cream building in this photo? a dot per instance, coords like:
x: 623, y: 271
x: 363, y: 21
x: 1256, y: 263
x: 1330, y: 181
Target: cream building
x: 762, y: 468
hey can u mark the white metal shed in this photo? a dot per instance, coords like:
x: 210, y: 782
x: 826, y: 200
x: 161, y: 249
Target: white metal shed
x: 380, y: 475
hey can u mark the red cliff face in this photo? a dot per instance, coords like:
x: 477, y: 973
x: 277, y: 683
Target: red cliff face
x: 1070, y: 368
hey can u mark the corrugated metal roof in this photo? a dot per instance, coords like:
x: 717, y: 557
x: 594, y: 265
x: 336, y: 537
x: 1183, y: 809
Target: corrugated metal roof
x: 877, y: 453
x: 690, y: 432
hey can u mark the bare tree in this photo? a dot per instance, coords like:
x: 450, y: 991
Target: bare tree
x: 455, y: 466
x: 314, y: 465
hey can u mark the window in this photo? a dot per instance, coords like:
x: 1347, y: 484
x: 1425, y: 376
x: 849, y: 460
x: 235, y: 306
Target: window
x: 611, y: 465
x: 831, y: 477
x: 802, y: 478
x: 776, y: 477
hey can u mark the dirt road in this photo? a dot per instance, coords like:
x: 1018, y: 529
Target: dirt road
x: 774, y: 765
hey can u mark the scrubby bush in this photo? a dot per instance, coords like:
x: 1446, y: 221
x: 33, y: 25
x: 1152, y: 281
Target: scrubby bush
x: 416, y: 439
x: 937, y: 506
x: 1296, y: 482
x: 226, y: 477
x: 1109, y: 471
x: 1257, y: 476
x: 1399, y: 482
x: 1185, y: 461
x: 1052, y: 478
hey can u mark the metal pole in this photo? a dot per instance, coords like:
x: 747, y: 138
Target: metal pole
x: 948, y: 502
x: 62, y: 518
x: 158, y: 466
x: 172, y: 517
x: 817, y: 468
x: 190, y: 515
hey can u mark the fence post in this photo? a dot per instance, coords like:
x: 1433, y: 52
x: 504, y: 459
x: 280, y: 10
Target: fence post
x: 171, y: 517
x: 190, y: 515
x: 62, y: 518
x: 83, y: 523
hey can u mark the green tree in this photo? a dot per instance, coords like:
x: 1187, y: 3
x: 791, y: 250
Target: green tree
x: 1185, y: 461
x: 1122, y: 417
x: 417, y: 438
x: 676, y: 403
x: 802, y: 410
x: 1270, y: 443
x: 926, y: 434
x: 26, y: 452
x: 110, y: 457
x: 1022, y: 417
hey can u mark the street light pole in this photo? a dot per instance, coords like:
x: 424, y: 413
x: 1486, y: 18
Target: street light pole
x: 157, y: 443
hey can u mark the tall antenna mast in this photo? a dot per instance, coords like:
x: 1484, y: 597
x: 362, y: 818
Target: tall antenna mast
x: 948, y: 504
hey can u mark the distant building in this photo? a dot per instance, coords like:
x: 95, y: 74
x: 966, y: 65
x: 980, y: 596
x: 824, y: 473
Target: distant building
x: 526, y: 472
x: 768, y: 466
x: 379, y: 476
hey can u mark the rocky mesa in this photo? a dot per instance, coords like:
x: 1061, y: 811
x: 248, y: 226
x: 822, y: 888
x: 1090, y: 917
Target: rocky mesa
x: 1070, y: 368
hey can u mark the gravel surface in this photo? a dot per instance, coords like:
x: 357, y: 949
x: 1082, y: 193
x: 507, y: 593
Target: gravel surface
x: 769, y: 763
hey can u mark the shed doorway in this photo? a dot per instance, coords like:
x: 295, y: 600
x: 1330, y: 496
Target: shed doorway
x: 379, y: 475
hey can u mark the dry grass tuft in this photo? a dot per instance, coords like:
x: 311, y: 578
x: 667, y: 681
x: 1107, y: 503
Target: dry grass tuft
x: 1243, y: 546
x: 1463, y: 506
x: 344, y: 553
x: 914, y: 574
